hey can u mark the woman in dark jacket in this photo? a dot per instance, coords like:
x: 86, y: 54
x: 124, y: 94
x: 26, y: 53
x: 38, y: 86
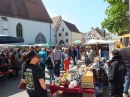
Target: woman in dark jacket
x: 50, y: 65
x: 33, y: 76
x: 117, y: 75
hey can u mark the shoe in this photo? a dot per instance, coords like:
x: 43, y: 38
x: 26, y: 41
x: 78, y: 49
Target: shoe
x: 124, y: 95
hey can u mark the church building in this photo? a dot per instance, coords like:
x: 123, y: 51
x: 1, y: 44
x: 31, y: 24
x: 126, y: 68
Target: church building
x: 27, y: 19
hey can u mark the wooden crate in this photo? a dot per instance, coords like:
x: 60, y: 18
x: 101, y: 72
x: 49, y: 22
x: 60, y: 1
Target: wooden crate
x: 88, y: 77
x: 88, y: 95
x: 87, y: 85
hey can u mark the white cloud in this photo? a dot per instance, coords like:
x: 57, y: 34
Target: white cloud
x: 64, y: 16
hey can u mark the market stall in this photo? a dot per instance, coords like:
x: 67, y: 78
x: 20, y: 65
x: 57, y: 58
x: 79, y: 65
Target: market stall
x: 78, y: 79
x: 102, y: 47
x: 3, y: 46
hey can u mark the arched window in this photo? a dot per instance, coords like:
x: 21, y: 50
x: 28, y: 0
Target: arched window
x: 40, y: 38
x: 19, y: 30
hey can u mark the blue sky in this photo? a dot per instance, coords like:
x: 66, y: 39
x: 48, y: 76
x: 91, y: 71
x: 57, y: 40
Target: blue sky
x: 83, y: 13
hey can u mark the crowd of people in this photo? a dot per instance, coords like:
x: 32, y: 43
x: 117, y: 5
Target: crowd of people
x: 10, y: 60
x: 34, y: 60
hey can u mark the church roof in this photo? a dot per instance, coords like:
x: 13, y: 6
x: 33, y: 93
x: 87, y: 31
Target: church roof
x: 25, y: 9
x: 71, y: 27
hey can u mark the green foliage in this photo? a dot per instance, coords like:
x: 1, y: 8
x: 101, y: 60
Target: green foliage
x: 116, y: 21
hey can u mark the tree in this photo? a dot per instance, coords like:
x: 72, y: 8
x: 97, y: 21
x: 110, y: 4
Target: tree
x: 116, y: 21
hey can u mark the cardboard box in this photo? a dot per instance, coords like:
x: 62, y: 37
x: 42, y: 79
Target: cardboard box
x: 58, y: 94
x: 88, y: 77
x: 88, y: 95
x: 87, y: 85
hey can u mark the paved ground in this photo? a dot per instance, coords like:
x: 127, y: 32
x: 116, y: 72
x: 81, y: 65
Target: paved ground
x: 9, y: 87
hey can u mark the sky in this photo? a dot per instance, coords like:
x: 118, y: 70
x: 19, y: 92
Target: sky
x: 83, y: 13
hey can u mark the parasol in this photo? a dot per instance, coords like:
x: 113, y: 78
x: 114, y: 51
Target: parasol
x: 78, y: 42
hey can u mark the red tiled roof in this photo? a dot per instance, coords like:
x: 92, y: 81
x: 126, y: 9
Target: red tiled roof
x: 26, y: 9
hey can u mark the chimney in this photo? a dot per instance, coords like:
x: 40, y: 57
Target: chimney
x: 92, y: 28
x: 104, y: 33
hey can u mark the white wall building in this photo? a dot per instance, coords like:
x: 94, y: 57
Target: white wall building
x: 65, y: 33
x: 95, y: 33
x: 26, y: 19
x: 115, y: 36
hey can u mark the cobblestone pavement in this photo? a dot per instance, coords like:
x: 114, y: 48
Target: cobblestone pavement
x: 105, y: 91
x: 9, y: 87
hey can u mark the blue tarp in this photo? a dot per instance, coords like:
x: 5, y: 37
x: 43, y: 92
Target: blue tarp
x: 19, y: 39
x: 10, y: 39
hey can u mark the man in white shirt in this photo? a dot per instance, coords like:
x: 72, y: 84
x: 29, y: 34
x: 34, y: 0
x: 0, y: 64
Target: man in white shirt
x: 91, y: 54
x: 57, y: 60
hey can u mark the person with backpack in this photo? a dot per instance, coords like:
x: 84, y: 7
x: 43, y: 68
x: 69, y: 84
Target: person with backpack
x: 117, y: 74
x: 50, y: 65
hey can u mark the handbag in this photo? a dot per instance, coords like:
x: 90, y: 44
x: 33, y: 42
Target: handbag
x: 22, y: 85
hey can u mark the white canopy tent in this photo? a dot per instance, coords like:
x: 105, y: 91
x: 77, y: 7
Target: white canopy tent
x: 42, y: 45
x: 24, y: 45
x: 92, y: 41
x: 110, y: 42
x: 3, y: 46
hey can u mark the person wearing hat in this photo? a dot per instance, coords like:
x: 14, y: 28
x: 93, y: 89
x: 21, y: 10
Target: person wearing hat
x: 34, y: 77
x: 117, y: 74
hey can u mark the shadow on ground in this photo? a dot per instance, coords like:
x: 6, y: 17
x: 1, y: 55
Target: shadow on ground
x: 9, y: 86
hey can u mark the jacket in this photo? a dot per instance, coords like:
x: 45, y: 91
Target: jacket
x: 125, y: 54
x: 49, y: 63
x: 73, y: 53
x: 117, y: 70
x: 16, y: 63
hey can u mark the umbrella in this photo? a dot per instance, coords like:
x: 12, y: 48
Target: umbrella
x: 78, y: 42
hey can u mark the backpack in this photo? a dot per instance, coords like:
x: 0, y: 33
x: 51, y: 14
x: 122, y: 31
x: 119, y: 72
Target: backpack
x: 122, y: 68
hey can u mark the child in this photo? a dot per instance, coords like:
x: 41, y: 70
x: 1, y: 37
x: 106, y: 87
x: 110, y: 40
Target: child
x: 86, y: 59
x: 66, y: 60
